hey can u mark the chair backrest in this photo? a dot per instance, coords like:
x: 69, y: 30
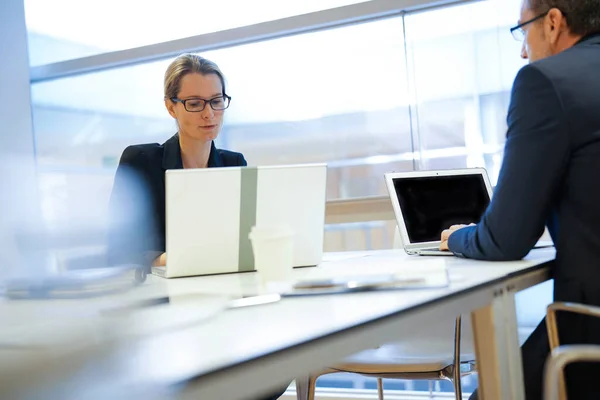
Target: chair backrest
x: 577, y: 308
x: 554, y: 382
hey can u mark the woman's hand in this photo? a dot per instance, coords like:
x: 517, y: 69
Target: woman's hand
x: 160, y: 261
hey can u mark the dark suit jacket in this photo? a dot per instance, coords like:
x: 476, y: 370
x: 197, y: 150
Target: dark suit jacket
x: 550, y: 176
x: 551, y: 169
x: 137, y: 203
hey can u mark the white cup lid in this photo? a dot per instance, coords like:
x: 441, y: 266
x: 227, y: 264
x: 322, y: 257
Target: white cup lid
x: 270, y: 231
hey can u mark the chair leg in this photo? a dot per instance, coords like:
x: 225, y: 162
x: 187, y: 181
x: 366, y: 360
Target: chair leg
x: 430, y: 389
x: 379, y: 389
x: 456, y: 368
x: 305, y: 388
x: 457, y: 388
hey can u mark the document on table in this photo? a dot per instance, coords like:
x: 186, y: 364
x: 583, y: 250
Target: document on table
x: 371, y: 273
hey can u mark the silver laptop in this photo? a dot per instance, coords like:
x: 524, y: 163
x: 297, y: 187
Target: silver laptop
x: 427, y: 202
x: 210, y: 212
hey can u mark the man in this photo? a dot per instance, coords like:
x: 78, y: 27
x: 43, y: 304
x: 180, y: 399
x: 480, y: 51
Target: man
x: 551, y: 176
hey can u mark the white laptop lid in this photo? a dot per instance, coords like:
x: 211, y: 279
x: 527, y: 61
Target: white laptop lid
x: 209, y: 214
x: 295, y: 195
x: 427, y: 202
x: 202, y: 220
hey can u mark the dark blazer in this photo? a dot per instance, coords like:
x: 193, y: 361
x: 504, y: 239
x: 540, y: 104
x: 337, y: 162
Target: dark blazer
x: 137, y: 203
x: 550, y: 176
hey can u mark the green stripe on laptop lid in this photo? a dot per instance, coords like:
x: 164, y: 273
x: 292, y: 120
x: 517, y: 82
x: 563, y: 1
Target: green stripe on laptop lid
x: 248, y: 193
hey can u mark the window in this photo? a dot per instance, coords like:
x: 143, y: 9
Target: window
x: 462, y: 66
x: 65, y: 29
x: 294, y: 100
x: 362, y: 98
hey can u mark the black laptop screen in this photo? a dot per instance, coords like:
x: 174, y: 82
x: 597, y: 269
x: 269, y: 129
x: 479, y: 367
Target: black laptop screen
x: 431, y: 204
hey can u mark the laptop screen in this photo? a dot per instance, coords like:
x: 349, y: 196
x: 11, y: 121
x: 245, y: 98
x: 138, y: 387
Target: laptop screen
x: 434, y: 203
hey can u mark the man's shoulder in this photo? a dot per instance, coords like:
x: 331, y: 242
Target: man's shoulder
x: 556, y: 73
x: 553, y: 66
x: 571, y: 64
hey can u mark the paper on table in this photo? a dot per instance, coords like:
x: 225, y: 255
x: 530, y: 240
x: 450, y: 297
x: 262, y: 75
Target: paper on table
x: 379, y: 265
x: 380, y: 273
x: 348, y: 255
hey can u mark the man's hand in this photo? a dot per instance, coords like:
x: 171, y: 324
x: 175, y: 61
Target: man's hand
x: 446, y: 235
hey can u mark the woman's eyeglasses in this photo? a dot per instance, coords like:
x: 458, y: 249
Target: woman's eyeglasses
x: 196, y: 105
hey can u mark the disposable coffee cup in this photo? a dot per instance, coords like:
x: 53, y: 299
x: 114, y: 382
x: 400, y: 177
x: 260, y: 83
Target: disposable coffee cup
x: 273, y: 248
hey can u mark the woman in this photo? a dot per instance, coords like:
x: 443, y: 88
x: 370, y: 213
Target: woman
x: 195, y: 96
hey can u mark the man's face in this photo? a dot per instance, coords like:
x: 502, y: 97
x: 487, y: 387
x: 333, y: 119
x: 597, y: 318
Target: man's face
x: 536, y: 44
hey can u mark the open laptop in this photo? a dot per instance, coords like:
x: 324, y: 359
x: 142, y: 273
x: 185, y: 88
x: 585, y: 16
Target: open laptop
x: 210, y: 212
x: 427, y: 202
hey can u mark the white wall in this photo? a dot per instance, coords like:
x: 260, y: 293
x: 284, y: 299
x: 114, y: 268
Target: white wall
x: 15, y: 101
x: 18, y: 202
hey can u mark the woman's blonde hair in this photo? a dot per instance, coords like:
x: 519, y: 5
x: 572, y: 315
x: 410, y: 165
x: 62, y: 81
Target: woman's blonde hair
x: 186, y: 64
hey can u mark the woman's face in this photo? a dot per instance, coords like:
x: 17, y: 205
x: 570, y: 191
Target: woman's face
x: 203, y: 125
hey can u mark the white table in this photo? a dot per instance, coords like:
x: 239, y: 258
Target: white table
x: 243, y: 353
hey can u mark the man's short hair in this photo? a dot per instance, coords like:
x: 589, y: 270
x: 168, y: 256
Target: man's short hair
x: 583, y: 16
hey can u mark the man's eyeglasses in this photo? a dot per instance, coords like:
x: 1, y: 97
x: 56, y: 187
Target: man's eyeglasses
x: 196, y: 105
x: 519, y: 33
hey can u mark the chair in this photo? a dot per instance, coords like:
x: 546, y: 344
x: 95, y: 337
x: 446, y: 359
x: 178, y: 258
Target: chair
x: 434, y: 356
x: 561, y: 356
x: 430, y: 357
